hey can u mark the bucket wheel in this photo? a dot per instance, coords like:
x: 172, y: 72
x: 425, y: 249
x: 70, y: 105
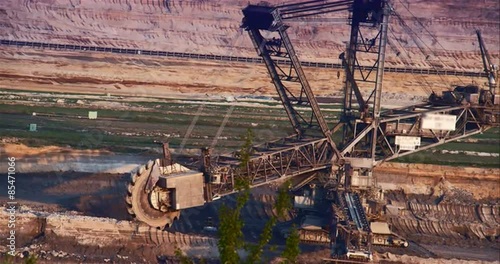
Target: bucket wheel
x: 149, y: 208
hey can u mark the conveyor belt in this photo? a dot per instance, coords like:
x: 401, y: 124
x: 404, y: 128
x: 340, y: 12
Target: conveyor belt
x: 357, y: 212
x: 184, y: 55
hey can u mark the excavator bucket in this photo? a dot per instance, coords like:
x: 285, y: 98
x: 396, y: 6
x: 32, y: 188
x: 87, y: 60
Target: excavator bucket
x: 175, y: 188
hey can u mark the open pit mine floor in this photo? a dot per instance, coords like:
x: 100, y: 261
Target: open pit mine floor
x: 70, y: 211
x: 449, y: 215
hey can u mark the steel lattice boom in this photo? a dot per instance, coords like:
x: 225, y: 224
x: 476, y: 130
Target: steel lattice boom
x: 370, y: 134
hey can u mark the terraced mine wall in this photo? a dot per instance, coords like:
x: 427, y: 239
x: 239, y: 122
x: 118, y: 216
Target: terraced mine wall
x: 213, y: 27
x: 440, y: 180
x: 104, y: 233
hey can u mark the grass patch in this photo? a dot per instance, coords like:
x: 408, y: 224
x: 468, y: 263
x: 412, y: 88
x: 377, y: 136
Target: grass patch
x: 492, y: 133
x: 126, y: 131
x: 459, y: 160
x: 478, y: 147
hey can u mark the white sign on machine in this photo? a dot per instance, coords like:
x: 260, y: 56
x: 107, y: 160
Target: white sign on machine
x: 439, y: 122
x: 407, y: 143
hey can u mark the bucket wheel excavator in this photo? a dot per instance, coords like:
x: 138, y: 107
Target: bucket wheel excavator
x: 159, y: 190
x: 153, y: 206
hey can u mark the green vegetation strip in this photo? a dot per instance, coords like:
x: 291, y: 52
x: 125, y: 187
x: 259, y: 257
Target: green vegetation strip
x: 120, y: 130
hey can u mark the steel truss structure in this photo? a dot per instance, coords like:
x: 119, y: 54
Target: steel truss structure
x: 407, y: 121
x: 370, y: 134
x: 281, y: 159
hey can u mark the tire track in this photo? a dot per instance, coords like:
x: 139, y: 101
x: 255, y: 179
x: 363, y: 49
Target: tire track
x: 455, y: 221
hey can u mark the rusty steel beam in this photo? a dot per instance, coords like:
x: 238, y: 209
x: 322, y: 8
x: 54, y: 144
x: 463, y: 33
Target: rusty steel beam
x: 297, y: 159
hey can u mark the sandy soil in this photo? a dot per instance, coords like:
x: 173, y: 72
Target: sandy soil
x: 213, y: 27
x: 96, y: 199
x: 481, y: 183
x: 82, y: 217
x: 97, y: 73
x: 437, y: 208
x: 23, y: 151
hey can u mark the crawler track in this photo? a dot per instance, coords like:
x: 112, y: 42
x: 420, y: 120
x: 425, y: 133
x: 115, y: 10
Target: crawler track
x: 159, y: 237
